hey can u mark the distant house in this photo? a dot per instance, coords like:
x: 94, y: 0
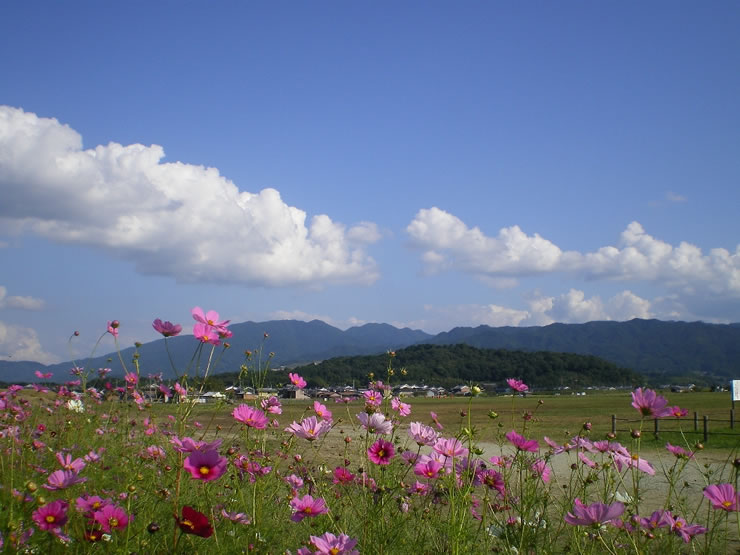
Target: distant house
x: 292, y: 392
x: 461, y: 390
x: 211, y: 397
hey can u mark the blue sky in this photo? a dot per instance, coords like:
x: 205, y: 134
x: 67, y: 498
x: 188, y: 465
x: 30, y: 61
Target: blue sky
x: 425, y: 164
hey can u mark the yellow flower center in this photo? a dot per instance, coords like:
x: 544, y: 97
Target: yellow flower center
x: 381, y: 453
x: 307, y: 510
x: 188, y: 524
x: 50, y: 518
x: 727, y: 503
x: 205, y: 470
x: 113, y: 522
x: 334, y: 550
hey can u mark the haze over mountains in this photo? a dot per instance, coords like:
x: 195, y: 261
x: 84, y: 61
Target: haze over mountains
x: 658, y: 349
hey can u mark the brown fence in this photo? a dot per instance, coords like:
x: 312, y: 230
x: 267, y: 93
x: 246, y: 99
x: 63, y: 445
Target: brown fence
x: 664, y: 425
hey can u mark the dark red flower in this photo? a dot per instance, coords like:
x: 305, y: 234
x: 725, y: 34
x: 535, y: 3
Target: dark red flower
x: 193, y: 522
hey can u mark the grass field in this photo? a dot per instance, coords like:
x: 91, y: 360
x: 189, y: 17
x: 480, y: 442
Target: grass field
x: 558, y: 417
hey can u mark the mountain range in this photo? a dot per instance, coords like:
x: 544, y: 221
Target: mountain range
x: 658, y: 349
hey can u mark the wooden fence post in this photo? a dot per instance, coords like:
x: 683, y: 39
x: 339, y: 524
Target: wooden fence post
x: 706, y: 428
x: 732, y: 419
x: 696, y: 421
x: 614, y: 424
x: 656, y: 426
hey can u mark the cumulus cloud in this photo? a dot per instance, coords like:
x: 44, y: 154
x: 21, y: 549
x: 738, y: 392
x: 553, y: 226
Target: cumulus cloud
x: 22, y: 303
x: 446, y: 243
x: 573, y: 307
x: 171, y: 219
x: 21, y: 343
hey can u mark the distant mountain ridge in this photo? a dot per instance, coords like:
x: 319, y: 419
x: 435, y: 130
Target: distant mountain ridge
x: 658, y: 349
x: 652, y: 347
x: 291, y: 341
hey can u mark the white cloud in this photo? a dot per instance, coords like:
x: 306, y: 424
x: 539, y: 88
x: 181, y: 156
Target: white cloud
x: 572, y: 307
x: 674, y: 197
x: 20, y: 343
x: 447, y: 243
x: 22, y: 303
x: 171, y: 219
x: 302, y: 316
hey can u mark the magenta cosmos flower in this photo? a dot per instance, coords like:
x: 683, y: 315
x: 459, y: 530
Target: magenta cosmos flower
x: 517, y: 385
x: 307, y: 506
x: 321, y: 411
x: 272, y: 405
x: 381, y: 452
x: 206, y: 466
x: 595, y: 514
x: 111, y: 517
x: 309, y: 428
x: 329, y: 544
x: 252, y: 417
x: 194, y: 522
x: 522, y: 443
x: 723, y: 497
x: 648, y: 403
x: 167, y: 329
x: 210, y: 319
x: 52, y: 515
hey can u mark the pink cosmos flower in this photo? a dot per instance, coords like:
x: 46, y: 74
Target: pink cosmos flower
x: 167, y: 329
x: 62, y: 479
x: 521, y: 443
x: 375, y: 423
x: 307, y: 506
x: 252, y: 417
x: 403, y: 409
x: 381, y: 452
x: 89, y: 504
x: 679, y: 452
x: 322, y: 411
x: 295, y: 482
x: 342, y: 476
x: 676, y: 412
x: 373, y: 398
x: 648, y: 403
x: 310, y: 428
x: 493, y: 480
x: 206, y: 334
x: 585, y: 460
x: 235, y: 517
x: 632, y: 461
x: 329, y: 544
x: 166, y: 391
x: 113, y: 328
x: 723, y: 497
x: 111, y: 517
x: 180, y: 390
x: 422, y: 434
x: 541, y: 469
x: 66, y: 462
x: 131, y: 379
x: 656, y: 520
x: 190, y: 445
x: 428, y: 468
x: 418, y: 488
x: 210, y: 319
x: 206, y: 466
x: 296, y: 380
x: 45, y: 376
x: 51, y: 516
x: 450, y: 447
x: 595, y: 514
x: 272, y: 405
x: 683, y: 529
x: 517, y: 385
x: 436, y: 420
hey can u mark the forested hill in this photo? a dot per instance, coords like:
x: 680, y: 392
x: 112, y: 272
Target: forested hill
x: 450, y: 365
x: 664, y: 351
